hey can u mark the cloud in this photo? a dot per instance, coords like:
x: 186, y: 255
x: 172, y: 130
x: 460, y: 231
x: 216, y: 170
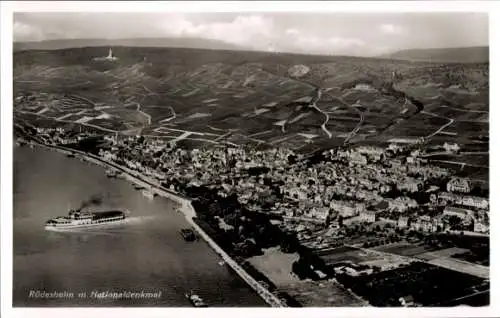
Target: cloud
x: 345, y: 42
x: 244, y: 30
x: 25, y: 32
x: 292, y: 32
x: 391, y: 28
x: 49, y: 26
x: 327, y: 45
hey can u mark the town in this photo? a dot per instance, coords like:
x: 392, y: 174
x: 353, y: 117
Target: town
x: 385, y: 201
x: 362, y: 184
x: 252, y: 159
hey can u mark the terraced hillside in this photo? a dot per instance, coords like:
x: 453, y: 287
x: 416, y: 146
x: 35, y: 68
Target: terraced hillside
x: 201, y: 98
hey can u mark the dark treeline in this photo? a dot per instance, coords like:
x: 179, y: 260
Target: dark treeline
x: 429, y: 285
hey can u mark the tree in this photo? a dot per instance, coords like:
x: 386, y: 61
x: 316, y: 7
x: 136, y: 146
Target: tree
x: 454, y: 221
x: 289, y: 243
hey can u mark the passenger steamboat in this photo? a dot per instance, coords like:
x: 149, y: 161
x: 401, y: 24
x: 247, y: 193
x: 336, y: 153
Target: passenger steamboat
x: 85, y: 219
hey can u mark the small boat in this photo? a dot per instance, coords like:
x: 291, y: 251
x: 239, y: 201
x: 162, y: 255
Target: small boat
x: 222, y: 263
x: 70, y: 155
x: 188, y: 235
x: 195, y: 300
x: 111, y: 173
x: 148, y: 194
x: 138, y: 187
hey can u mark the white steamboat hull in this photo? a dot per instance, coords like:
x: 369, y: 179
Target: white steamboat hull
x: 65, y: 227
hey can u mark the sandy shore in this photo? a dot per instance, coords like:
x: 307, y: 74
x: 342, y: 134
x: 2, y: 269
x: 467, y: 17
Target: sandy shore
x: 277, y: 266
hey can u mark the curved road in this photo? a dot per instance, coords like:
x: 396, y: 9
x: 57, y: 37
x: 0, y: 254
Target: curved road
x: 361, y: 117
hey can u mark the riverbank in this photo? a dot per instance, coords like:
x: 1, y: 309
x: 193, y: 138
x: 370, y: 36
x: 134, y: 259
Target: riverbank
x: 185, y: 207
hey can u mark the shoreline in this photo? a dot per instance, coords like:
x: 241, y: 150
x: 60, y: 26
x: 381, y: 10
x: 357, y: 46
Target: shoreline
x: 185, y: 208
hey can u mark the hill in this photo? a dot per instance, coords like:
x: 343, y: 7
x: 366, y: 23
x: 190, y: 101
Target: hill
x: 198, y: 98
x: 479, y: 54
x: 194, y: 43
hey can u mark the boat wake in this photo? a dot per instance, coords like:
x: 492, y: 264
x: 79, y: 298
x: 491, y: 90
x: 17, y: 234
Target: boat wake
x: 140, y: 219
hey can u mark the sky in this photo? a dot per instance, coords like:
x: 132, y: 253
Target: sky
x: 362, y: 34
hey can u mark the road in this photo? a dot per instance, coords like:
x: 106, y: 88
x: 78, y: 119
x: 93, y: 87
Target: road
x: 450, y: 121
x: 145, y: 114
x: 327, y: 118
x: 463, y: 164
x: 441, y: 153
x: 467, y: 110
x: 68, y: 121
x: 172, y: 117
x: 355, y: 130
x: 358, y: 126
x: 462, y: 298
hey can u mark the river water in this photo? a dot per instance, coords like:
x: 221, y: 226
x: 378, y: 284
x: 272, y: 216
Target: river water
x: 147, y: 254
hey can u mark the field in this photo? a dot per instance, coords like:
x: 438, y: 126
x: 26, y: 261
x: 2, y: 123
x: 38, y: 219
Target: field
x: 429, y: 286
x: 196, y: 97
x: 405, y: 249
x: 356, y: 256
x: 277, y: 265
x: 439, y: 257
x: 324, y: 294
x: 347, y: 254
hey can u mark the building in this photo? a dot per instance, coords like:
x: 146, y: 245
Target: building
x: 410, y: 185
x: 402, y: 204
x: 407, y: 301
x: 403, y: 222
x: 395, y: 163
x: 410, y: 160
x: 368, y: 216
x: 352, y: 271
x: 296, y: 194
x: 451, y: 147
x: 481, y: 227
x: 110, y: 57
x: 357, y: 158
x: 319, y: 213
x: 461, y: 213
x: 423, y: 223
x: 458, y: 185
x: 374, y: 153
x: 437, y: 224
x: 449, y: 197
x: 476, y: 202
x: 347, y: 209
x: 394, y: 147
x: 370, y: 150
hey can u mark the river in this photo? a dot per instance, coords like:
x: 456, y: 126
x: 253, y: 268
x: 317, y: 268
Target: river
x: 145, y: 255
